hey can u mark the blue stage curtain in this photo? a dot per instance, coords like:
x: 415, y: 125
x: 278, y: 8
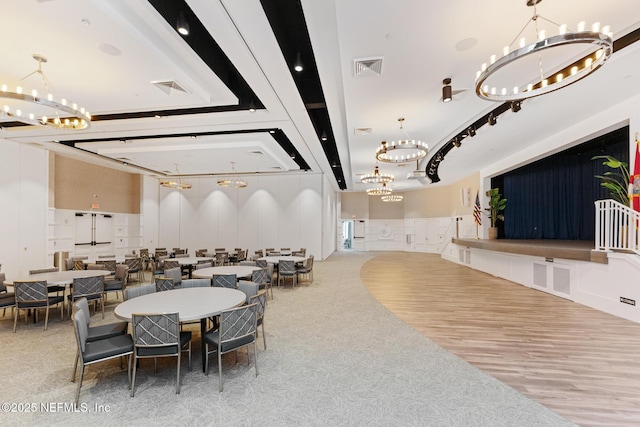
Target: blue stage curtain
x: 553, y: 198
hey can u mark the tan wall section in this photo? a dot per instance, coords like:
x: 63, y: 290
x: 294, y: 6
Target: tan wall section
x: 354, y: 205
x: 385, y: 210
x: 76, y: 183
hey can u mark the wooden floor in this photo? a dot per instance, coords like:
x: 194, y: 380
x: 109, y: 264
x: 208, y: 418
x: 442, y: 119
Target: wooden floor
x: 581, y: 363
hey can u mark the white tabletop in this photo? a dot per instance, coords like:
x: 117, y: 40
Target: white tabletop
x: 55, y: 278
x: 118, y: 260
x: 277, y: 259
x: 238, y: 270
x: 190, y: 303
x: 191, y: 260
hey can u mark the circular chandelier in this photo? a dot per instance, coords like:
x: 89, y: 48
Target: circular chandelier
x: 73, y: 117
x: 376, y: 177
x: 232, y: 181
x: 379, y: 191
x: 401, y: 151
x: 544, y: 81
x: 393, y: 197
x: 178, y: 184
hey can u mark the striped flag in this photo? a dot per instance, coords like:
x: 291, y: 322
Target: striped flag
x: 477, y: 210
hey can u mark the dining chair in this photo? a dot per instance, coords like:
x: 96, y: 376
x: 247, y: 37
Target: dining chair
x: 263, y: 279
x: 135, y: 267
x: 225, y: 281
x: 196, y: 283
x: 119, y: 281
x: 287, y: 268
x: 237, y: 329
x: 55, y: 289
x: 250, y: 289
x: 107, y: 256
x: 306, y: 269
x: 164, y: 284
x: 261, y: 299
x: 201, y: 252
x: 259, y: 253
x: 171, y: 263
x: 33, y: 294
x: 204, y: 264
x: 159, y: 335
x: 91, y: 288
x: 262, y: 263
x: 78, y: 263
x: 90, y: 352
x: 137, y: 291
x: 108, y: 264
x: 175, y: 274
x: 96, y: 333
x: 7, y: 299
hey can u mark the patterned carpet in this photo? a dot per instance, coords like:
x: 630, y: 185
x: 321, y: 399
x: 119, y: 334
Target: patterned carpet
x: 335, y: 357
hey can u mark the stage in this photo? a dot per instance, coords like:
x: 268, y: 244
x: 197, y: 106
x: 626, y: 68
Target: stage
x: 581, y: 250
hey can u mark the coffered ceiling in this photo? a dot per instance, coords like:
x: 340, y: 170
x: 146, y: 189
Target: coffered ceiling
x: 228, y: 91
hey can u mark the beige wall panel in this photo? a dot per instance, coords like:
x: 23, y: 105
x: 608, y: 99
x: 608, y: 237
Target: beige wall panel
x: 354, y: 205
x: 385, y: 210
x: 438, y: 202
x: 76, y: 182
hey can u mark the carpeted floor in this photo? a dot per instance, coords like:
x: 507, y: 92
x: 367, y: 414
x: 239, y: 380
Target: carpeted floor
x: 335, y: 357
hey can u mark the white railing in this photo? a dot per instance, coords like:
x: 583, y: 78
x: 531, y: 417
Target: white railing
x: 449, y: 233
x: 617, y: 227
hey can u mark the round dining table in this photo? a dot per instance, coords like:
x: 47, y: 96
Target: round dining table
x: 189, y: 303
x: 275, y: 259
x: 59, y: 278
x: 189, y: 262
x: 238, y: 270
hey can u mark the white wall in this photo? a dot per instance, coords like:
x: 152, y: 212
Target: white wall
x: 273, y: 211
x: 24, y: 173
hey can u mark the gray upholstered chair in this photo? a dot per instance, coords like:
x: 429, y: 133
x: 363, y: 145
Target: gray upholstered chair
x: 196, y: 283
x: 96, y: 333
x: 237, y: 330
x: 250, y: 289
x: 54, y: 289
x: 225, y: 281
x: 97, y: 351
x: 171, y: 263
x: 261, y: 299
x: 175, y: 274
x: 119, y: 281
x: 263, y: 278
x: 135, y: 268
x: 158, y: 335
x: 108, y: 264
x: 201, y: 252
x: 91, y: 288
x: 137, y: 291
x: 262, y: 263
x: 7, y: 299
x: 287, y: 268
x: 306, y: 269
x: 33, y: 294
x: 164, y: 284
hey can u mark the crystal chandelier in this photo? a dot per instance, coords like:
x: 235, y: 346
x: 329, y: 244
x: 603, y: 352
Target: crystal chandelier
x: 232, y: 181
x: 496, y: 83
x: 376, y: 177
x: 401, y: 151
x: 379, y: 191
x: 178, y: 184
x: 63, y: 114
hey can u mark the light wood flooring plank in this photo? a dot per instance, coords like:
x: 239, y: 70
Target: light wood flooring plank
x: 582, y: 363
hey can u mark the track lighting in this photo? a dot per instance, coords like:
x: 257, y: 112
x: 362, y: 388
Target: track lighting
x: 516, y: 106
x: 492, y: 120
x: 182, y: 25
x: 447, y: 94
x: 456, y: 142
x: 471, y: 132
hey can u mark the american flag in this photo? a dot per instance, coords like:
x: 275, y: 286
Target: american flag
x: 477, y: 210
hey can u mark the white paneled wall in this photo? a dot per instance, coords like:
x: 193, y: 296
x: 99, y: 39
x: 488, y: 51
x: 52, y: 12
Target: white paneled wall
x: 274, y: 211
x: 24, y: 215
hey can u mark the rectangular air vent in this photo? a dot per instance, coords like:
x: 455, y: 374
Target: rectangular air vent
x: 363, y: 131
x: 169, y: 86
x: 367, y: 66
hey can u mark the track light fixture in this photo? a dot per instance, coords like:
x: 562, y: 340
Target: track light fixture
x: 298, y: 64
x: 456, y: 142
x: 447, y: 93
x: 182, y: 25
x: 471, y: 132
x: 492, y: 120
x: 516, y: 106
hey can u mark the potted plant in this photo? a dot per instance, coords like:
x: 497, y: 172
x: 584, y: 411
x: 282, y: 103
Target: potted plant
x: 496, y: 205
x: 617, y: 180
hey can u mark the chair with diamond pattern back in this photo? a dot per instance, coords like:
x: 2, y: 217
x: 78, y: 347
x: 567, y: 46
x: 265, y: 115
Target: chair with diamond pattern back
x: 225, y: 281
x: 158, y: 335
x: 91, y: 288
x: 261, y: 299
x: 33, y: 295
x: 237, y: 329
x: 164, y: 284
x: 263, y: 279
x: 287, y: 268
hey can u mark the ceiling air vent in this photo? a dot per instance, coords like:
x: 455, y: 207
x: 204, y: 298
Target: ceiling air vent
x: 258, y: 152
x: 362, y: 131
x: 367, y: 66
x: 169, y: 86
